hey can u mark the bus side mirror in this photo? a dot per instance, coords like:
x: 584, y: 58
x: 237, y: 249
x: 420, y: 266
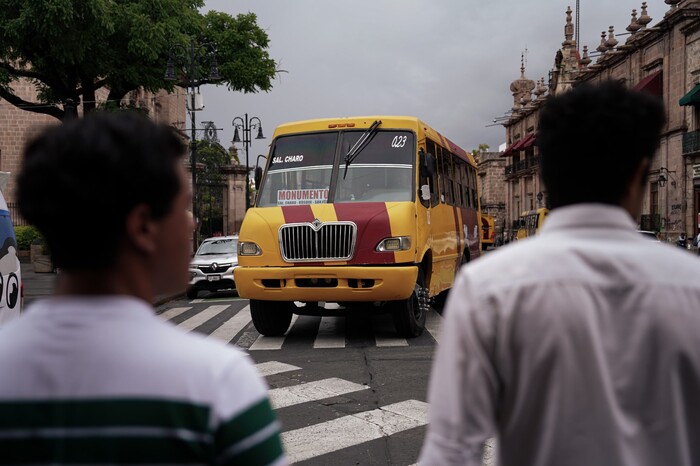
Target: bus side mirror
x: 258, y: 177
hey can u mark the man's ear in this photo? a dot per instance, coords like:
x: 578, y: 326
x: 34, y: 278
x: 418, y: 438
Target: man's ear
x: 141, y: 229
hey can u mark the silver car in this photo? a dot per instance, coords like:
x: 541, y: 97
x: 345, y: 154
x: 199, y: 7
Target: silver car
x: 212, y: 266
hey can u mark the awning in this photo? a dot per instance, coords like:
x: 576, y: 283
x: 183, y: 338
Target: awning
x: 528, y: 142
x: 692, y: 97
x: 522, y: 144
x: 652, y: 84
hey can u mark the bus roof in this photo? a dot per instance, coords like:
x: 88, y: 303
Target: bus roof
x: 421, y: 128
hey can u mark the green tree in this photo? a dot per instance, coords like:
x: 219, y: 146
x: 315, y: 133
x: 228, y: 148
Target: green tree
x: 482, y: 148
x: 69, y: 49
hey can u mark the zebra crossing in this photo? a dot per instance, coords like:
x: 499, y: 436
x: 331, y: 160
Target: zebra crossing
x: 333, y: 436
x: 329, y: 331
x: 302, y: 444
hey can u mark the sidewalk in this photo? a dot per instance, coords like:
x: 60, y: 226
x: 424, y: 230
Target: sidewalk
x: 40, y: 285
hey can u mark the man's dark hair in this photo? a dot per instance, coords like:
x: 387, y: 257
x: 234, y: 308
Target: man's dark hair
x: 593, y: 138
x: 79, y: 181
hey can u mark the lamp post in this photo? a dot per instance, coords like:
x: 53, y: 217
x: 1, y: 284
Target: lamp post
x: 191, y: 59
x: 246, y: 125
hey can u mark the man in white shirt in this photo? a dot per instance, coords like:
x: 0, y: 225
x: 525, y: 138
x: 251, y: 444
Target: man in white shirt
x: 579, y: 346
x: 91, y: 375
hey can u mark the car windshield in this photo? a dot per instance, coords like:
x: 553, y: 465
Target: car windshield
x: 218, y: 246
x: 301, y: 169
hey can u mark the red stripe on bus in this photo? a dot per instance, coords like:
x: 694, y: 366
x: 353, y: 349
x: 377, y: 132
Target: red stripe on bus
x: 297, y: 214
x: 372, y: 220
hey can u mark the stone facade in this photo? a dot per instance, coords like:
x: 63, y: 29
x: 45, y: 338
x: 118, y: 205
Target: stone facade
x: 490, y: 166
x: 663, y: 59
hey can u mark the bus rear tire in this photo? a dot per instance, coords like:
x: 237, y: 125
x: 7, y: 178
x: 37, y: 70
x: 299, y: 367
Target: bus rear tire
x: 271, y: 318
x: 409, y: 314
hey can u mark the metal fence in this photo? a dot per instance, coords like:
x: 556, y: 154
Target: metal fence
x: 17, y: 219
x: 691, y: 142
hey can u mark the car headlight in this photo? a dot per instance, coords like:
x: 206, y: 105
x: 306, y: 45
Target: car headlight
x: 248, y: 249
x: 397, y: 243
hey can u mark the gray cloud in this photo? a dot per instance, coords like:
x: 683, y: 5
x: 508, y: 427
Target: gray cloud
x: 449, y: 62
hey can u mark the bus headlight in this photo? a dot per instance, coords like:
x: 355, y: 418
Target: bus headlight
x: 248, y: 249
x: 397, y: 243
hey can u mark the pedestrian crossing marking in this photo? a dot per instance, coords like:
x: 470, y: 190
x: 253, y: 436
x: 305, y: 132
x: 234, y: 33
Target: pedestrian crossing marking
x: 271, y: 343
x: 433, y: 321
x: 173, y: 312
x: 331, y: 333
x: 223, y: 299
x: 312, y: 391
x: 274, y: 367
x: 347, y: 431
x: 229, y: 329
x: 198, y: 319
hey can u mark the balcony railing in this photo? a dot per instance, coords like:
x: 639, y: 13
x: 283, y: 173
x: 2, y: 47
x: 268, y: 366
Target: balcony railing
x: 522, y: 165
x: 691, y: 142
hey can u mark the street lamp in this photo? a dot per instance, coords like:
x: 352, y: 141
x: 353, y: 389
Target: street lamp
x: 191, y: 59
x: 663, y: 171
x: 246, y: 125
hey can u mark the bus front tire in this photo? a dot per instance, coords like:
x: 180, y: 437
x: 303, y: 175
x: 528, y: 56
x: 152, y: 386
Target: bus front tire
x: 409, y: 314
x: 271, y: 318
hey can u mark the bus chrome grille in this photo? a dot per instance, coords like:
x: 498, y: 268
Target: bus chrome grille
x: 317, y: 241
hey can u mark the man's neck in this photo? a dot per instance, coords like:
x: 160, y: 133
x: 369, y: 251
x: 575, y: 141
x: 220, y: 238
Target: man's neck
x: 103, y: 282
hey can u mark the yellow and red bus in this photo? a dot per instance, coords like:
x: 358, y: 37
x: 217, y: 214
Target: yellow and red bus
x: 379, y: 209
x: 488, y: 231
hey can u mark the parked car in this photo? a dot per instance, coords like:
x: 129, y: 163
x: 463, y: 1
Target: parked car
x: 212, y: 266
x: 10, y: 273
x: 650, y: 235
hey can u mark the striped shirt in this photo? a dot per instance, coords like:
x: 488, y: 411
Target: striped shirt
x: 102, y: 380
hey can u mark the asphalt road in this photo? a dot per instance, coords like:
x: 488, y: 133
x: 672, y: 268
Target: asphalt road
x: 347, y: 390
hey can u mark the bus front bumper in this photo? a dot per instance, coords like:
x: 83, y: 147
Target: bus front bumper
x: 332, y: 284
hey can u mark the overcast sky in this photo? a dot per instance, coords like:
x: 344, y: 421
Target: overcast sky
x: 449, y: 62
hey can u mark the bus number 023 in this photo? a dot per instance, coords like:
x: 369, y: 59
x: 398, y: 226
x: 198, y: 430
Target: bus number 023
x: 399, y: 141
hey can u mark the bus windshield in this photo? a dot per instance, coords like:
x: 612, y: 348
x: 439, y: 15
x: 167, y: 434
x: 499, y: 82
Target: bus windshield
x: 302, y: 165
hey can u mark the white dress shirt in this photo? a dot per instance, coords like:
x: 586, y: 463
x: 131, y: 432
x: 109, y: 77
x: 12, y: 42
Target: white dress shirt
x: 579, y: 346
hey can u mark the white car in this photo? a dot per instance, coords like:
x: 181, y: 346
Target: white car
x: 212, y: 266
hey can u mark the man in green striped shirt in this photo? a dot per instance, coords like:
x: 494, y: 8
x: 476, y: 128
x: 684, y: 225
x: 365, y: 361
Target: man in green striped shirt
x: 91, y: 375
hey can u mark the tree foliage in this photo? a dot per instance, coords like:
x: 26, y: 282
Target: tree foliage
x: 69, y: 49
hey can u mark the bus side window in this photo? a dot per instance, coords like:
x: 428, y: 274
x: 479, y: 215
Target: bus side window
x: 441, y: 170
x: 434, y: 191
x: 449, y: 180
x: 472, y: 176
x: 465, y: 185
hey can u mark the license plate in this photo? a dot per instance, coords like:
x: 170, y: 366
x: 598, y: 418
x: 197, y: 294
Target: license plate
x: 213, y: 278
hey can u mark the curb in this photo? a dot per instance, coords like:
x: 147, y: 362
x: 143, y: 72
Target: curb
x: 159, y: 301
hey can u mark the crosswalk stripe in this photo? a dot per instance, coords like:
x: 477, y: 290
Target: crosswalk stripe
x: 433, y: 321
x: 303, y: 444
x: 384, y: 341
x: 231, y: 327
x: 275, y: 367
x: 174, y: 312
x: 312, y: 391
x: 271, y: 343
x: 331, y: 333
x: 198, y: 319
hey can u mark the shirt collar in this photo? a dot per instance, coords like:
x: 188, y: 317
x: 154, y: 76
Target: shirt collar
x: 586, y: 216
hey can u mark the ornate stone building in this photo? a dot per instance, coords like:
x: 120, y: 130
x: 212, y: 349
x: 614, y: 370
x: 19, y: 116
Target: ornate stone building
x: 663, y: 60
x: 490, y: 166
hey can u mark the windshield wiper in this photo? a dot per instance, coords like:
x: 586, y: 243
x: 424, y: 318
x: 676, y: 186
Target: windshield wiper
x: 361, y: 144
